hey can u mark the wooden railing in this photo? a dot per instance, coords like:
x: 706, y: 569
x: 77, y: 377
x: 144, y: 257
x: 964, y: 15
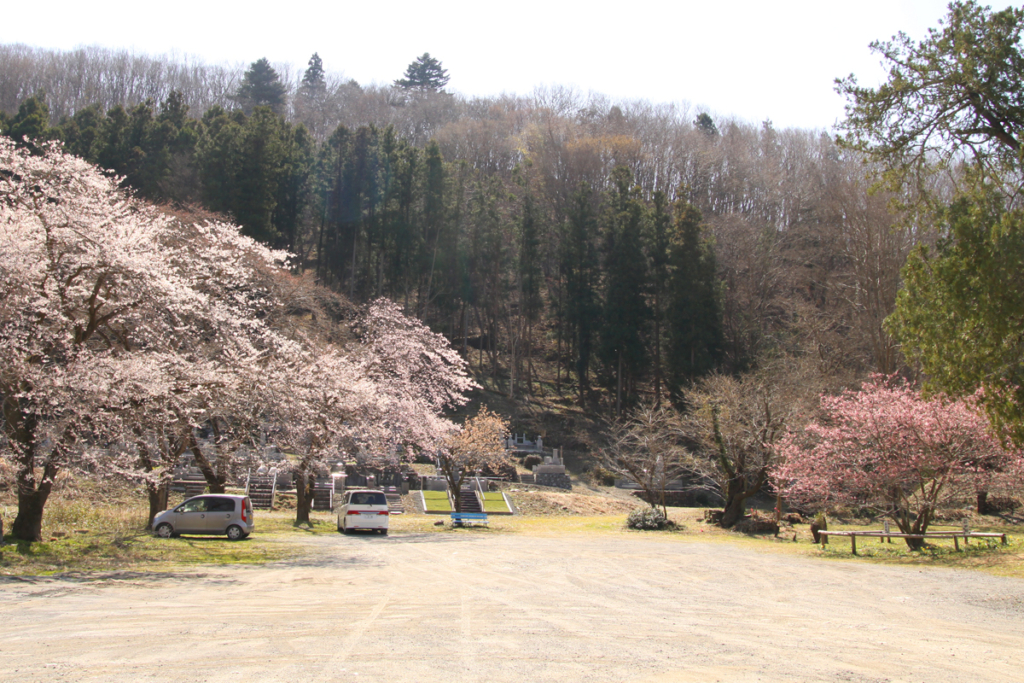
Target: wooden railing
x: 955, y: 535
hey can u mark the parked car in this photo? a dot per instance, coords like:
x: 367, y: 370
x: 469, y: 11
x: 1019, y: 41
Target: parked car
x: 364, y: 509
x: 212, y: 514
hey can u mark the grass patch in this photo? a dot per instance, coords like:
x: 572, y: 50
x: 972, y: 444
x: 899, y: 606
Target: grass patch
x: 985, y: 554
x: 437, y: 501
x: 91, y: 534
x: 495, y: 502
x: 83, y: 536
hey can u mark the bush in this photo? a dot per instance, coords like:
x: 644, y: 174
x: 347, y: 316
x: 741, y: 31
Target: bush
x: 603, y: 477
x: 531, y: 461
x: 713, y: 516
x: 1001, y: 504
x: 757, y: 523
x: 646, y: 519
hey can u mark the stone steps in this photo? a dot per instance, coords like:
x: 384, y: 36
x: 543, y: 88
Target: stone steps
x: 261, y: 491
x: 469, y: 501
x: 323, y: 494
x: 395, y: 504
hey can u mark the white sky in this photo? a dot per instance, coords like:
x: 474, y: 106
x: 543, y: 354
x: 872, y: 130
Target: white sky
x: 753, y: 59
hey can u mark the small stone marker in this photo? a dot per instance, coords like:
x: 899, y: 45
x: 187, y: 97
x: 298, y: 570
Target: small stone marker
x: 888, y: 539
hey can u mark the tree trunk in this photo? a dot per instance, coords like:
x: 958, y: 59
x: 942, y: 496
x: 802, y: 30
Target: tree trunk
x: 982, y: 502
x: 816, y: 528
x: 657, y: 352
x: 214, y: 480
x: 919, y: 526
x: 735, y: 506
x: 558, y: 362
x: 20, y: 430
x: 157, y: 500
x: 28, y: 524
x: 303, y: 498
x: 618, y: 387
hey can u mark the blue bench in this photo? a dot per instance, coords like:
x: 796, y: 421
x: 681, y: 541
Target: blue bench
x: 464, y: 518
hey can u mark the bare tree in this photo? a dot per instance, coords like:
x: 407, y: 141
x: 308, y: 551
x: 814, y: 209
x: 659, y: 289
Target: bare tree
x: 734, y: 424
x: 645, y: 447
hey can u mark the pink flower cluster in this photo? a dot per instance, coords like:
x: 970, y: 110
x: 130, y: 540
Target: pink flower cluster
x: 889, y: 448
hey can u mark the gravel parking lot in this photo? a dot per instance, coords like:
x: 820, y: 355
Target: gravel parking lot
x: 486, y: 607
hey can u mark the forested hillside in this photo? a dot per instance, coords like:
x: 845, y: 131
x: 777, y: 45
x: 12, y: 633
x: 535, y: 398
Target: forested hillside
x: 610, y: 251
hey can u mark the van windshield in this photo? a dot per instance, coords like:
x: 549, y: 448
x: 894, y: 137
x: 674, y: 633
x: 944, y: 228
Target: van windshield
x: 368, y: 499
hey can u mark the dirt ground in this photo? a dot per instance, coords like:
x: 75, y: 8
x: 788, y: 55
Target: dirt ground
x: 479, y: 606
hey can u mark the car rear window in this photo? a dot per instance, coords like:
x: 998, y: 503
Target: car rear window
x: 368, y: 499
x: 220, y: 505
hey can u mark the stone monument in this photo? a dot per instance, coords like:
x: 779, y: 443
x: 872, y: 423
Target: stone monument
x: 552, y: 472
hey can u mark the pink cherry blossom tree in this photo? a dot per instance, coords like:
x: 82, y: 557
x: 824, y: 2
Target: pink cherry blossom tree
x: 477, y: 445
x: 380, y: 398
x: 111, y: 315
x: 124, y: 330
x: 888, y: 448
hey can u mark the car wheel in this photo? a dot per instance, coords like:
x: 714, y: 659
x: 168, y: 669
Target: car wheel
x: 383, y: 532
x: 235, y: 533
x: 164, y: 530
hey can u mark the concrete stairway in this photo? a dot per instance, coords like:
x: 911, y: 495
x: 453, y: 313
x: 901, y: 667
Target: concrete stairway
x: 395, y: 505
x: 261, y: 491
x: 469, y: 501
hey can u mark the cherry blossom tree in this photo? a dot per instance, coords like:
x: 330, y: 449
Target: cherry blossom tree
x: 381, y: 398
x: 123, y: 331
x: 888, y: 448
x: 403, y: 354
x: 325, y: 405
x: 477, y: 445
x: 104, y: 301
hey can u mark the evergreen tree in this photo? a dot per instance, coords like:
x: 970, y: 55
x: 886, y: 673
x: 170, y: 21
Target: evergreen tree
x: 485, y: 264
x: 114, y: 146
x: 217, y: 153
x: 178, y: 134
x: 258, y: 174
x: 261, y: 86
x: 531, y: 303
x: 312, y: 103
x: 313, y: 81
x: 658, y: 247
x: 626, y: 315
x: 32, y: 122
x: 433, y: 223
x: 579, y: 265
x: 82, y: 131
x: 424, y: 74
x: 293, y: 190
x: 693, y: 315
x: 706, y: 125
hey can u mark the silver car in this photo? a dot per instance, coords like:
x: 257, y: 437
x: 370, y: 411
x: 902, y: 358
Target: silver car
x: 212, y: 514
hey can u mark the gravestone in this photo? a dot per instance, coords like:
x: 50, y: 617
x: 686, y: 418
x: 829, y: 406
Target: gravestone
x: 552, y: 472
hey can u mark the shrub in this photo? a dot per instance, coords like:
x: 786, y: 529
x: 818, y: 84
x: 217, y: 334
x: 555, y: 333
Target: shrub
x: 1000, y: 504
x: 646, y: 519
x: 531, y: 461
x: 757, y: 523
x: 603, y: 476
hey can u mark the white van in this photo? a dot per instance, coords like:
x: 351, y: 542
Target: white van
x: 364, y: 509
